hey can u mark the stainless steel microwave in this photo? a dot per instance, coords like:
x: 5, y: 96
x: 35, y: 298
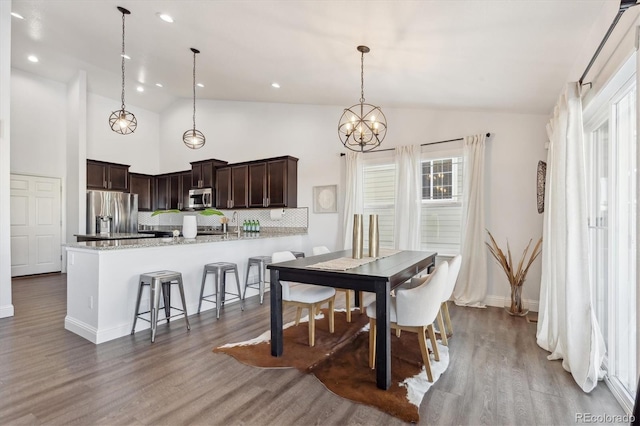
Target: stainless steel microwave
x: 200, y: 198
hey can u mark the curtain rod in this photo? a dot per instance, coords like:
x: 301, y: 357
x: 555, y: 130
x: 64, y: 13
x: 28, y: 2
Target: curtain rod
x: 342, y: 154
x: 624, y: 5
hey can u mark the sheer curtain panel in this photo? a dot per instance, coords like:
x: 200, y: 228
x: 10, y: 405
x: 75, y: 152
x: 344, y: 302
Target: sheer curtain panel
x: 353, y: 194
x: 567, y: 325
x: 408, y: 197
x: 471, y: 288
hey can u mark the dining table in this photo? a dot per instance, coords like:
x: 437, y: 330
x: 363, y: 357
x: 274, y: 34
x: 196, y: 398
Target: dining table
x: 378, y: 275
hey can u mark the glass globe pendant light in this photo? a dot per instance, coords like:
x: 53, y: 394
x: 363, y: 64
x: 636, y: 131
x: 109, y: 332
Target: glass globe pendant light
x: 123, y: 121
x: 194, y: 138
x: 362, y: 127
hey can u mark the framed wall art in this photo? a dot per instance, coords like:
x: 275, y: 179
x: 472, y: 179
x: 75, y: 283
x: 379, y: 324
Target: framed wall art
x: 325, y: 199
x: 540, y: 184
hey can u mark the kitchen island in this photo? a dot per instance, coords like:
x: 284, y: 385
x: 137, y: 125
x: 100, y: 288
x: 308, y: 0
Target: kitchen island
x: 102, y: 276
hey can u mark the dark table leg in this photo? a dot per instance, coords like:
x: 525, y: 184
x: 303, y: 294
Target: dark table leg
x: 276, y: 314
x: 383, y: 335
x: 357, y: 302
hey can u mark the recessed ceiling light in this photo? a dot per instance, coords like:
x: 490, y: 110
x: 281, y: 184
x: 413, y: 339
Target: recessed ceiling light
x: 159, y: 84
x: 140, y: 89
x: 200, y: 85
x: 125, y: 56
x: 165, y: 17
x: 32, y: 58
x: 275, y: 85
x: 17, y: 15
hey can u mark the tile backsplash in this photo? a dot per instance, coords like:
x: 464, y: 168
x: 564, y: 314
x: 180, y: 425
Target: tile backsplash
x: 269, y: 218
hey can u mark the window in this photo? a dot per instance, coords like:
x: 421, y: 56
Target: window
x: 438, y: 179
x: 441, y: 214
x: 379, y: 190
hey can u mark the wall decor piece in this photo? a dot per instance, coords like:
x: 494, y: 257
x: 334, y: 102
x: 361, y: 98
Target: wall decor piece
x: 540, y: 182
x: 325, y: 199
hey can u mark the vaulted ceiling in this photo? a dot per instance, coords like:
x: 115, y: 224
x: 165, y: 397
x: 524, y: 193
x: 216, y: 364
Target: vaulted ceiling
x: 456, y: 54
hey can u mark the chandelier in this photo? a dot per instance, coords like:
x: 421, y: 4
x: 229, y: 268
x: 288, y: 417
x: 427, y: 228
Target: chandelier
x: 363, y: 126
x: 193, y: 138
x: 123, y: 121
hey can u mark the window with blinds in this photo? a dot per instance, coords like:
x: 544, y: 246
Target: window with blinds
x: 441, y: 218
x: 379, y: 191
x: 441, y: 214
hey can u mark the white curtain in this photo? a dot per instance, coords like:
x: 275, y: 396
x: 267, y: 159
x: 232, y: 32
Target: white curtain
x: 567, y: 325
x: 408, y: 197
x: 471, y: 287
x: 353, y: 202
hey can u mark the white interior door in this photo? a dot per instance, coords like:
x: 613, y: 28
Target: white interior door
x: 36, y: 225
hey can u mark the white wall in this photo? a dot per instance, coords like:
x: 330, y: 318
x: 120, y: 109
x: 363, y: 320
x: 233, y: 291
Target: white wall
x: 6, y: 306
x: 241, y: 131
x: 138, y: 149
x: 38, y: 125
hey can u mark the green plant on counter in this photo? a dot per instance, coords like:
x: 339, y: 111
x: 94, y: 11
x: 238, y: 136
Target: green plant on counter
x: 205, y: 212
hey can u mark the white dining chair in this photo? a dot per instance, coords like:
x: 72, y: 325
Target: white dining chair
x: 414, y: 310
x: 305, y: 296
x: 347, y: 293
x: 454, y: 270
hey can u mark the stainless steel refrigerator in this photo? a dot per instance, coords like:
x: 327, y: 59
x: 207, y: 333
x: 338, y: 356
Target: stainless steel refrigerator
x: 111, y: 212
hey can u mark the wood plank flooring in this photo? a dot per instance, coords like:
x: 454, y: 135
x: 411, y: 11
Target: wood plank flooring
x: 50, y: 376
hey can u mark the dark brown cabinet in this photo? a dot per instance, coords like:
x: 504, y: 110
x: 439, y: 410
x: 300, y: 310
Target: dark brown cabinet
x: 232, y: 187
x: 203, y: 173
x: 173, y: 190
x: 144, y: 186
x: 110, y: 176
x: 274, y: 183
x: 162, y: 192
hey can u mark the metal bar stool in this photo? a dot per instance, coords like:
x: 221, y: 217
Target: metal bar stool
x: 261, y: 262
x: 159, y: 281
x: 298, y: 254
x: 219, y: 271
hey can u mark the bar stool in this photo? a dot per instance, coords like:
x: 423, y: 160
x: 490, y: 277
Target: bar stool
x: 219, y: 271
x: 261, y: 262
x: 298, y: 254
x: 159, y: 281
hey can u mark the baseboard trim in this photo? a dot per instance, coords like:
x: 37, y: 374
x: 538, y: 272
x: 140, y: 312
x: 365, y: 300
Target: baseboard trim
x: 501, y: 301
x: 6, y: 311
x: 81, y: 329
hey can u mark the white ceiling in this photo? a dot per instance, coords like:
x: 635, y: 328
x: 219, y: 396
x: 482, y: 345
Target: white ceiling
x: 507, y: 55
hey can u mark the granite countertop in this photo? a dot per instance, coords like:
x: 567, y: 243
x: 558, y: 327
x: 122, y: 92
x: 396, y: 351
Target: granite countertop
x: 116, y: 244
x: 115, y: 236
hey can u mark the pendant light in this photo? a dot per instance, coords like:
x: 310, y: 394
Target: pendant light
x: 362, y: 127
x: 123, y: 121
x: 193, y: 138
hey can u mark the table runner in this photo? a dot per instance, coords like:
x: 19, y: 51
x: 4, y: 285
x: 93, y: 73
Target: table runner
x: 344, y: 263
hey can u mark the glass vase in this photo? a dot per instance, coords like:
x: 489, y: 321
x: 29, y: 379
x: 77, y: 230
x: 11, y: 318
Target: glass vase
x: 516, y: 303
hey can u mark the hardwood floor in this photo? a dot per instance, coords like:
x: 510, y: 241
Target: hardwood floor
x: 497, y: 374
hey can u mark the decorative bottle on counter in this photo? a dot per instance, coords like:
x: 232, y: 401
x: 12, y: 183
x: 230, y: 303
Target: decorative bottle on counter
x: 257, y: 226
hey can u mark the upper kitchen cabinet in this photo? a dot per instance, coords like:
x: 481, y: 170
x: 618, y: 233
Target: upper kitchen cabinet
x: 274, y: 182
x: 203, y: 173
x: 173, y: 190
x: 144, y: 186
x: 232, y: 186
x: 109, y: 176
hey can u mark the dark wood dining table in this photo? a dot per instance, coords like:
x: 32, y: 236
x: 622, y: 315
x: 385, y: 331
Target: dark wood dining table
x: 379, y: 276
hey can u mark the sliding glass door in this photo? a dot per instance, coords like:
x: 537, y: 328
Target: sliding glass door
x: 611, y: 167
